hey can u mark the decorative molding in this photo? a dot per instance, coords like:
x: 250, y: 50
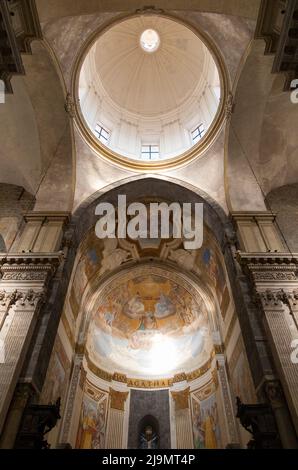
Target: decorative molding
x: 29, y: 267
x: 70, y: 105
x: 138, y: 165
x: 16, y: 297
x: 271, y: 299
x: 219, y: 349
x: 230, y: 106
x: 118, y: 399
x: 25, y: 276
x: 148, y: 384
x: 269, y: 268
x: 150, y: 10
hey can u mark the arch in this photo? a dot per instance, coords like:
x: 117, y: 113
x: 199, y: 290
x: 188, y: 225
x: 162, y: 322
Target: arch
x: 84, y: 220
x: 165, y: 188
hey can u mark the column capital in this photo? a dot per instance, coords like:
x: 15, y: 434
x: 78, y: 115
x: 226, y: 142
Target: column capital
x: 271, y: 299
x: 118, y: 399
x: 181, y: 399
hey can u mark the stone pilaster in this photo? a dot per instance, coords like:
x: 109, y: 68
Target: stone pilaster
x: 24, y: 282
x: 274, y: 279
x: 258, y: 232
x: 184, y: 436
x: 22, y: 396
x: 75, y: 394
x: 281, y: 337
x: 114, y: 439
x: 221, y: 380
x: 275, y: 396
x: 42, y: 232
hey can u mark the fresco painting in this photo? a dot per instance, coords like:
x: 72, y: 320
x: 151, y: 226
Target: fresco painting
x: 206, y: 430
x: 145, y: 318
x: 92, y: 427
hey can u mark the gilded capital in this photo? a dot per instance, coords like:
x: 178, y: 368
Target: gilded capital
x: 117, y: 399
x: 181, y: 399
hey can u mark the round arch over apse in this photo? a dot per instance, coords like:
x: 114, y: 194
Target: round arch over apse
x: 84, y: 219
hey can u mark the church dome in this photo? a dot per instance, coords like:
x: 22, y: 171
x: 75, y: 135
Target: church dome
x: 149, y: 88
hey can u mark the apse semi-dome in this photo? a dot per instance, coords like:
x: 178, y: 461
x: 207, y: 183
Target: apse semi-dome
x: 149, y: 323
x: 149, y: 89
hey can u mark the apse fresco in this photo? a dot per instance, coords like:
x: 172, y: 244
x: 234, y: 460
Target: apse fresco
x: 149, y: 325
x: 206, y: 430
x: 92, y: 428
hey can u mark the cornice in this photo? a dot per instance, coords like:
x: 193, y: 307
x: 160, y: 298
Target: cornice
x: 267, y: 259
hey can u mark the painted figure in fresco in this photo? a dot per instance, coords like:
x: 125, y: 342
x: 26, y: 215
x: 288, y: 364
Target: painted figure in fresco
x: 148, y: 439
x: 164, y: 307
x: 149, y: 321
x: 88, y: 427
x: 134, y: 307
x: 198, y: 429
x: 109, y: 318
x: 209, y: 428
x: 98, y: 441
